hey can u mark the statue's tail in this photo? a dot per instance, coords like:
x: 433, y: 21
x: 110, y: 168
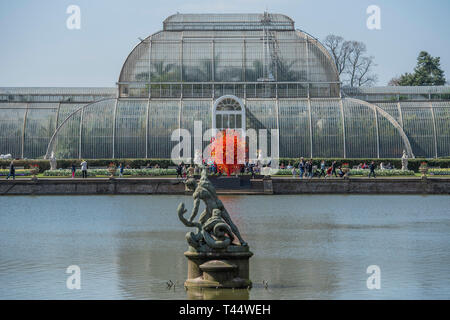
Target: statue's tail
x: 217, y: 244
x: 181, y: 211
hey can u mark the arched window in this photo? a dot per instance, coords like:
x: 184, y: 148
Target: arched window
x: 228, y: 113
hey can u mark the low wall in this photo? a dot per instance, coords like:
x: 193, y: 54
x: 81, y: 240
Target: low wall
x: 91, y: 186
x: 362, y: 186
x: 258, y: 186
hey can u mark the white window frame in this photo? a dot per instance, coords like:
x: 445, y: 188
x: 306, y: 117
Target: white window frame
x: 241, y: 112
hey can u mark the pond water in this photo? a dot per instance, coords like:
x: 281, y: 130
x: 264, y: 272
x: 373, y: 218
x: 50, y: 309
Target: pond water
x: 305, y: 246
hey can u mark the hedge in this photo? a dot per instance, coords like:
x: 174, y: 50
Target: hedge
x: 413, y: 164
x: 439, y: 172
x: 5, y: 172
x: 43, y: 164
x: 358, y: 172
x: 67, y: 163
x: 105, y: 172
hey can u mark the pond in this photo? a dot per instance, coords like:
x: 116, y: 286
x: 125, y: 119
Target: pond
x: 305, y: 246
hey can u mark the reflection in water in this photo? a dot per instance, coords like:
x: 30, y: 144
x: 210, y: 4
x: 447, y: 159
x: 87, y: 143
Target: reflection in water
x: 305, y: 247
x: 218, y: 294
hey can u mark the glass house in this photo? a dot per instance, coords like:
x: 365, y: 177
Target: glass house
x: 228, y: 71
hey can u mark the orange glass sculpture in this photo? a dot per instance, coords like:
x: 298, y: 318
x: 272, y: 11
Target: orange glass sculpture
x: 228, y: 151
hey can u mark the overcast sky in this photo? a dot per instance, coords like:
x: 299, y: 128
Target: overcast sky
x: 37, y: 49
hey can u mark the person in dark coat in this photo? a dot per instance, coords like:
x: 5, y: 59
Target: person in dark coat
x: 309, y: 169
x: 301, y: 168
x: 12, y: 171
x: 251, y: 169
x: 372, y: 169
x: 333, y: 169
x: 179, y: 171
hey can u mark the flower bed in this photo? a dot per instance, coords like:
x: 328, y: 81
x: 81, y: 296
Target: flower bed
x: 382, y: 173
x: 439, y: 172
x: 105, y: 172
x: 19, y: 172
x: 358, y: 172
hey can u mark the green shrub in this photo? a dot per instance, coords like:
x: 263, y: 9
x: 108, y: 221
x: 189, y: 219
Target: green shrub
x: 43, y: 164
x: 105, y: 172
x: 381, y: 173
x: 20, y: 172
x: 439, y: 172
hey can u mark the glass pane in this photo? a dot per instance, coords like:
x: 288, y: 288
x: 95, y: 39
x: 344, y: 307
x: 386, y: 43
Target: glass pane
x: 238, y: 121
x: 218, y: 121
x: 231, y: 121
x: 225, y: 121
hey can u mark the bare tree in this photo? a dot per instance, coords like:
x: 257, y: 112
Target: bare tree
x: 354, y: 67
x: 339, y: 49
x: 395, y: 81
x: 363, y: 74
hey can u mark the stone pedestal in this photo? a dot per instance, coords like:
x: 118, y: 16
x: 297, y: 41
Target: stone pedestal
x: 268, y: 185
x: 219, y: 269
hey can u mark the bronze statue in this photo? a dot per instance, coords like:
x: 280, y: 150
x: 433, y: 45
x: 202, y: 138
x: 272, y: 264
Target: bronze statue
x: 215, y: 229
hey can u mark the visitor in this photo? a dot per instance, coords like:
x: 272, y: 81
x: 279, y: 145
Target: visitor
x: 184, y: 171
x: 341, y: 173
x: 333, y: 169
x: 12, y: 171
x: 306, y: 169
x: 322, y: 169
x: 315, y: 171
x: 289, y: 166
x: 149, y: 166
x: 74, y: 168
x: 179, y: 171
x: 252, y: 171
x: 156, y: 166
x: 309, y: 169
x: 372, y: 169
x: 282, y: 166
x: 382, y: 167
x: 191, y: 171
x: 301, y: 167
x: 84, y: 169
x: 121, y: 170
x: 293, y: 172
x: 328, y: 172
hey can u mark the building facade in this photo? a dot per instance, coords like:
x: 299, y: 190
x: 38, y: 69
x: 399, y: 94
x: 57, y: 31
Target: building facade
x: 228, y: 71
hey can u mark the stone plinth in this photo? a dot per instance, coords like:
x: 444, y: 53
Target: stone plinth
x: 219, y: 269
x: 225, y: 182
